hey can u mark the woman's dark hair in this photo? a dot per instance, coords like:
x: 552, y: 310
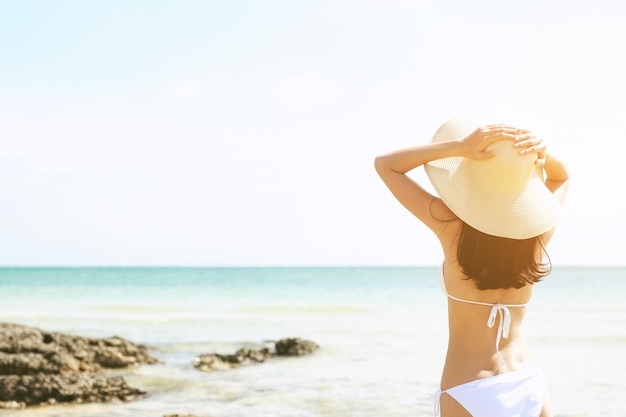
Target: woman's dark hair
x: 499, y: 262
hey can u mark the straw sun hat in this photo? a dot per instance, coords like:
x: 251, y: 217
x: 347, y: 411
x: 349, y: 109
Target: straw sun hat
x: 502, y: 196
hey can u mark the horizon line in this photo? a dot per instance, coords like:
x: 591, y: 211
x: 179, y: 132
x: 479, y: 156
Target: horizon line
x: 260, y: 266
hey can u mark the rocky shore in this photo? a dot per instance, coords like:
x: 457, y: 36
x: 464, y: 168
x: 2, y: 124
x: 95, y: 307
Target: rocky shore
x: 39, y: 367
x: 283, y: 347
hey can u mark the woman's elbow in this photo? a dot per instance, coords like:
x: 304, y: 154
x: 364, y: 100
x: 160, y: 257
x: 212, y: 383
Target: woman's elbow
x: 380, y: 163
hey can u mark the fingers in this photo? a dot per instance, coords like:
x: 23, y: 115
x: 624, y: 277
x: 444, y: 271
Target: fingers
x: 529, y: 143
x: 526, y: 141
x: 486, y: 154
x: 540, y: 162
x: 504, y: 128
x: 503, y: 131
x: 476, y: 143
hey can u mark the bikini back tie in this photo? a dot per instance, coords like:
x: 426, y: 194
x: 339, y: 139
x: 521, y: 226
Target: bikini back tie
x: 497, y: 309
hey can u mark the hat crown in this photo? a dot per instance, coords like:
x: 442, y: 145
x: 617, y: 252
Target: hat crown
x: 507, y: 172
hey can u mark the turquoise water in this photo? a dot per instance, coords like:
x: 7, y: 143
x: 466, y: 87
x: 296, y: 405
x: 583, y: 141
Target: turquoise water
x: 381, y: 333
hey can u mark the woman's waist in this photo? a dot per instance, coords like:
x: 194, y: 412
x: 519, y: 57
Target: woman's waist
x: 471, y: 359
x: 483, y: 343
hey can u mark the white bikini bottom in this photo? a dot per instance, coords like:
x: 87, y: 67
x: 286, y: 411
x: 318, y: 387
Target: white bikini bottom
x: 512, y: 394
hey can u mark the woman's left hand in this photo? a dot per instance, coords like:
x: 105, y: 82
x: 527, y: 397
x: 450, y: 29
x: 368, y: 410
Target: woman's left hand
x: 529, y: 142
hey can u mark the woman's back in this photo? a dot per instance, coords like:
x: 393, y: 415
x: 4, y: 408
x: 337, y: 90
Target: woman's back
x: 476, y: 350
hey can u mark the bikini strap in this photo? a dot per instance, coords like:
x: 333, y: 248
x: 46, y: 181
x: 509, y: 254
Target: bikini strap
x: 436, y: 402
x: 504, y: 324
x: 497, y: 309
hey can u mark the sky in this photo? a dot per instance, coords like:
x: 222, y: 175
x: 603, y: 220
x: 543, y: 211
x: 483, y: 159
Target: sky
x: 243, y: 133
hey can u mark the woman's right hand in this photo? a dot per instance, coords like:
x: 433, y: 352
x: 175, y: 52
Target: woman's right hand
x: 528, y: 143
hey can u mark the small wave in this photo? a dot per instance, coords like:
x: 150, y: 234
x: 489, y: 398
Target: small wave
x: 157, y: 384
x: 304, y: 309
x: 125, y: 308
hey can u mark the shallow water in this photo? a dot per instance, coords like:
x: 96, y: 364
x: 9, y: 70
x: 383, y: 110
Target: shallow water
x: 381, y: 333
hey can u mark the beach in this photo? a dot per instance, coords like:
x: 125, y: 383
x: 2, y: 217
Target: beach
x: 381, y: 333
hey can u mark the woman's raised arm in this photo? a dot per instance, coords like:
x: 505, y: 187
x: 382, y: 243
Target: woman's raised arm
x: 392, y: 168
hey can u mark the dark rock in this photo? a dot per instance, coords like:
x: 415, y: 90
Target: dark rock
x: 244, y: 356
x: 215, y: 361
x: 39, y: 367
x: 294, y: 347
x: 43, y: 389
x: 25, y: 350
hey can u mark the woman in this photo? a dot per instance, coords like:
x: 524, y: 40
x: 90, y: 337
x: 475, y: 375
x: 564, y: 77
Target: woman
x: 494, y: 217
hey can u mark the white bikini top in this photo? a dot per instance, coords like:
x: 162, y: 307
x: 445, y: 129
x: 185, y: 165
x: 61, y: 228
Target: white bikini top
x: 502, y: 310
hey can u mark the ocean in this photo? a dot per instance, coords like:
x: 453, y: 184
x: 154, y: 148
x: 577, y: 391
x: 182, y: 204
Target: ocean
x: 381, y: 331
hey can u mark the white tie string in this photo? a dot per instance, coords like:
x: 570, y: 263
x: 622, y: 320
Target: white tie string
x: 437, y: 402
x: 503, y: 326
